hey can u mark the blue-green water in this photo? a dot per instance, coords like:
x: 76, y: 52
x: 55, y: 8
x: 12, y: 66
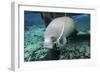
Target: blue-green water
x: 77, y: 47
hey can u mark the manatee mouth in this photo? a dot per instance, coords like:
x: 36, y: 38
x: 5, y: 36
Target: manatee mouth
x: 48, y: 45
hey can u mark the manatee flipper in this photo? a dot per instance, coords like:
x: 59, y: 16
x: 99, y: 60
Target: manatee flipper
x: 83, y: 33
x: 62, y: 42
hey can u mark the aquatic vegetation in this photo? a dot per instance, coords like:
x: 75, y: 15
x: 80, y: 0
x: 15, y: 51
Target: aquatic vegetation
x: 33, y: 44
x: 34, y: 51
x: 76, y: 51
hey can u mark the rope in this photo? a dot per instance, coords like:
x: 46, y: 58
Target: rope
x: 60, y: 34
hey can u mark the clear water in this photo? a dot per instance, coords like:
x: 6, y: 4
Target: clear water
x: 78, y: 47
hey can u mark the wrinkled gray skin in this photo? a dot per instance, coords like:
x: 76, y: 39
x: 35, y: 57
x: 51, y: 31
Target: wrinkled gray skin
x: 59, y: 27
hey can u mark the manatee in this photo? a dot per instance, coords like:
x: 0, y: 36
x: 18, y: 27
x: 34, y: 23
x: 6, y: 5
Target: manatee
x: 57, y: 31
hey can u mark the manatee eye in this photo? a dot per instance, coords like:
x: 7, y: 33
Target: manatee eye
x: 53, y: 39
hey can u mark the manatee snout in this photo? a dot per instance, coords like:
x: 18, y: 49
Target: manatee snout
x: 48, y: 43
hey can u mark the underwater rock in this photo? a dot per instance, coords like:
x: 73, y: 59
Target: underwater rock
x: 52, y: 54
